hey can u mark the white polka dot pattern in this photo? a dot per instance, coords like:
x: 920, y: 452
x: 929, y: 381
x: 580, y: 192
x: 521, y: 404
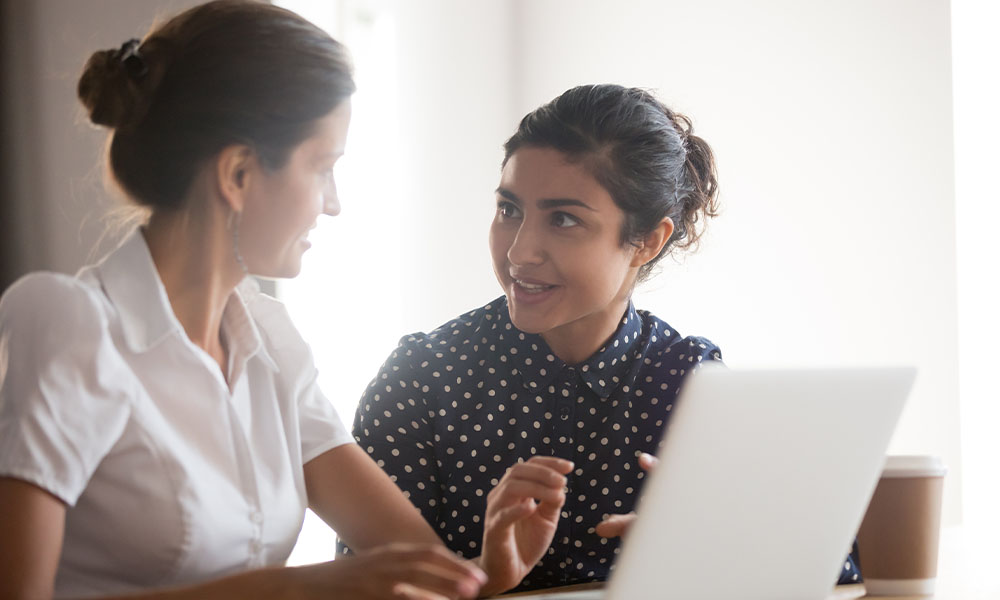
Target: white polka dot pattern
x: 451, y: 410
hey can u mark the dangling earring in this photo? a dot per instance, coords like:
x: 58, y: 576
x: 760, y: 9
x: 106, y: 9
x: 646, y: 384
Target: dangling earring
x: 235, y: 215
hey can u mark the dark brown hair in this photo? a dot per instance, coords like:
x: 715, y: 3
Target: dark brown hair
x: 645, y: 155
x: 222, y: 73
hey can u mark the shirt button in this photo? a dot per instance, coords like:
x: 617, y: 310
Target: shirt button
x: 256, y: 517
x: 256, y: 547
x: 564, y: 413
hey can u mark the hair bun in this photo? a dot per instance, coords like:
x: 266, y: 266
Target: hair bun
x: 108, y: 89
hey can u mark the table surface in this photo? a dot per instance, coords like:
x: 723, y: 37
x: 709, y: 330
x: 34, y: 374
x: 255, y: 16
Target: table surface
x: 967, y: 565
x: 843, y: 592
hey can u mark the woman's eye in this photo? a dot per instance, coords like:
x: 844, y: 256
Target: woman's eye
x: 561, y: 219
x: 508, y: 210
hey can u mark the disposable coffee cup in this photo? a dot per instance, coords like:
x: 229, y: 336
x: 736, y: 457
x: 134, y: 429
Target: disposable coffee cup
x: 898, y: 540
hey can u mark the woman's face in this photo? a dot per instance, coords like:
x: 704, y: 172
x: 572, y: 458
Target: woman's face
x: 556, y: 248
x: 283, y: 205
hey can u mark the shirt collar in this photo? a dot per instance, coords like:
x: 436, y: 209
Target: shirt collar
x: 241, y: 329
x: 131, y: 282
x: 603, y: 372
x: 608, y: 368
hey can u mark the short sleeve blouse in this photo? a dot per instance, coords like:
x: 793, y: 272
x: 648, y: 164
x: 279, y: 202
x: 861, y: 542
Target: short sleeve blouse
x: 170, y: 474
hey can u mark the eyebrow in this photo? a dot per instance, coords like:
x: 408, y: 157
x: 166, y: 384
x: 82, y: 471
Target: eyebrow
x: 546, y: 203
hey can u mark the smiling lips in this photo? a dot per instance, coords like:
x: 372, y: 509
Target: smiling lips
x: 304, y: 240
x: 533, y: 288
x: 531, y: 292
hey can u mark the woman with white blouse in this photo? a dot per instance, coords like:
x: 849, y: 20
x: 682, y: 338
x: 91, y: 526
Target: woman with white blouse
x: 161, y: 429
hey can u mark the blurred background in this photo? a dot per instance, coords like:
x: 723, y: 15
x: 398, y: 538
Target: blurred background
x: 855, y: 142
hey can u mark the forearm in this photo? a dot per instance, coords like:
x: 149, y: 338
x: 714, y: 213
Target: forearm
x: 427, y: 571
x: 359, y: 501
x: 392, y: 519
x: 274, y: 583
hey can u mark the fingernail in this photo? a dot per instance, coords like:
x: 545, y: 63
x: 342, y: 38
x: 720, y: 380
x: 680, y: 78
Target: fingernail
x: 646, y: 455
x: 468, y: 589
x: 480, y: 575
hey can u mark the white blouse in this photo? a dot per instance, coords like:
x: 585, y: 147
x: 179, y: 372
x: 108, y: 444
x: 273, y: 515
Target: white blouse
x: 170, y: 475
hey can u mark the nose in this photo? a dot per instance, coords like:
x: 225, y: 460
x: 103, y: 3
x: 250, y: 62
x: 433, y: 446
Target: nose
x: 527, y: 248
x: 331, y: 201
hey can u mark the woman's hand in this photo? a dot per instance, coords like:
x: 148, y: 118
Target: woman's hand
x: 617, y: 525
x: 393, y: 572
x: 31, y: 534
x: 522, y: 512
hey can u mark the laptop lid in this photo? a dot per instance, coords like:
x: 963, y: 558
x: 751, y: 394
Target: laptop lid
x: 763, y: 479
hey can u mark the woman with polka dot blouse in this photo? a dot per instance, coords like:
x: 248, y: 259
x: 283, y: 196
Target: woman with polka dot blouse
x: 596, y: 187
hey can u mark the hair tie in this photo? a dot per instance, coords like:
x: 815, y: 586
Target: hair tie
x: 128, y: 55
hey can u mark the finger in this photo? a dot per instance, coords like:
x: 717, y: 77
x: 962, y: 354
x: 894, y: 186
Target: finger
x: 534, y: 473
x: 438, y: 556
x: 515, y: 490
x: 647, y: 461
x: 560, y: 465
x: 410, y: 592
x: 614, y: 525
x: 550, y: 510
x: 512, y: 514
x: 437, y: 579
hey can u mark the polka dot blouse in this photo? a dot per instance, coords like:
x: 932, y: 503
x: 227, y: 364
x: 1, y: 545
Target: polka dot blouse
x: 451, y: 410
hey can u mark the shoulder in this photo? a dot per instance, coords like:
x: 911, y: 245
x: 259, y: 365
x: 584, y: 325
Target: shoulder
x: 465, y: 333
x: 62, y: 305
x: 59, y: 339
x: 664, y: 341
x: 422, y: 357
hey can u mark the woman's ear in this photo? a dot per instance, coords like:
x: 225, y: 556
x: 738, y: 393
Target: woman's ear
x: 653, y: 242
x: 233, y: 166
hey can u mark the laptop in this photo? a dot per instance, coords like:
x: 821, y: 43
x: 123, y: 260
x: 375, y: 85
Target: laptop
x: 767, y: 475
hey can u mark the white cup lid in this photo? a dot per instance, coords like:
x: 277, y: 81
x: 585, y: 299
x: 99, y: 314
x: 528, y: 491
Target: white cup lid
x: 913, y: 466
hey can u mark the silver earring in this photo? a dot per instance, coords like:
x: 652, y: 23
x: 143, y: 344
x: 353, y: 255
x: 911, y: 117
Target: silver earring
x: 235, y: 229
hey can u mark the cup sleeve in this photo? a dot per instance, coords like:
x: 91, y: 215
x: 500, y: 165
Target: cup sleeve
x: 320, y: 426
x: 65, y: 389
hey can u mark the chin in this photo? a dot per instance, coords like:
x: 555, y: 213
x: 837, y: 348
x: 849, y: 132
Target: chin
x: 278, y: 272
x: 528, y: 325
x: 289, y: 273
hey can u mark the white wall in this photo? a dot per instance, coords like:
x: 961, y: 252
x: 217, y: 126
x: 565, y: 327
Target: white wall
x: 416, y: 184
x: 832, y: 125
x: 977, y: 128
x: 833, y: 130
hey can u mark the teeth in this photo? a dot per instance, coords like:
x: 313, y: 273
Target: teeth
x: 532, y: 287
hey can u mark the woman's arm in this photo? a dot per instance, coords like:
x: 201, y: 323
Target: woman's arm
x: 31, y: 536
x: 359, y: 501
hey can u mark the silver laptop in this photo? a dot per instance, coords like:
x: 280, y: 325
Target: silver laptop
x: 763, y: 479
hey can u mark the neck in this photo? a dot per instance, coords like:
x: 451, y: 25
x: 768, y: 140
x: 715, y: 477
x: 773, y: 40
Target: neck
x: 577, y: 341
x: 193, y: 256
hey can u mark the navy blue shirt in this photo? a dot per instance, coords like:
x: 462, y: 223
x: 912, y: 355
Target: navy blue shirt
x: 451, y: 410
